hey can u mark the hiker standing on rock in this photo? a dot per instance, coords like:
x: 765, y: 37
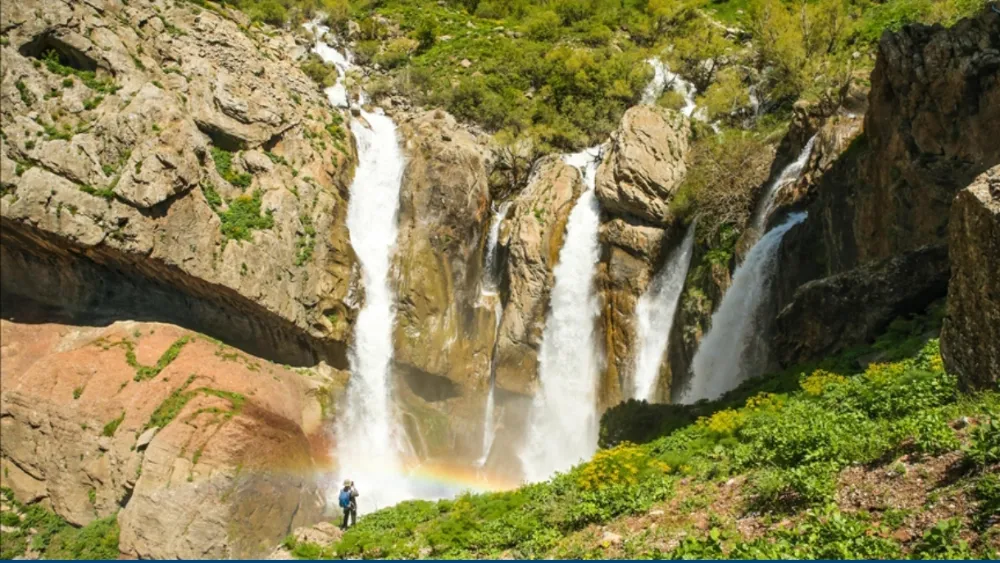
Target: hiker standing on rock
x: 349, y: 503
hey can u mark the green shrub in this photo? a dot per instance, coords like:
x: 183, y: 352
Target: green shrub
x: 984, y: 446
x: 943, y: 542
x: 321, y: 73
x: 111, y: 427
x: 224, y: 166
x: 88, y: 77
x: 243, y: 216
x: 987, y: 492
x: 26, y: 96
x: 825, y: 533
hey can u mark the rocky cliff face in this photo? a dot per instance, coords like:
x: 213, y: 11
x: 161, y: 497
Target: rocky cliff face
x: 933, y: 116
x: 203, y: 451
x: 970, y: 341
x: 530, y: 243
x: 444, y: 329
x: 165, y: 161
x: 644, y: 165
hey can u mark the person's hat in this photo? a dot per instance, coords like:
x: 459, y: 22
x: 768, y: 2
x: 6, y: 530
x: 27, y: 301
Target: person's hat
x: 347, y: 482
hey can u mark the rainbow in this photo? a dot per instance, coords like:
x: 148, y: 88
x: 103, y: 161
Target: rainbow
x: 456, y: 478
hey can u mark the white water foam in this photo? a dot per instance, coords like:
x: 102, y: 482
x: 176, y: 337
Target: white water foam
x: 370, y: 442
x: 563, y: 424
x: 489, y: 284
x: 663, y: 77
x: 734, y: 348
x: 790, y: 174
x: 654, y: 317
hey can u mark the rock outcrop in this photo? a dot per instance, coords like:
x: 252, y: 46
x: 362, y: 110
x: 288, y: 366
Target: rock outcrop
x: 444, y: 330
x: 857, y: 303
x: 970, y: 341
x: 635, y: 183
x: 645, y: 165
x: 931, y: 127
x: 163, y: 161
x: 530, y: 243
x: 203, y: 451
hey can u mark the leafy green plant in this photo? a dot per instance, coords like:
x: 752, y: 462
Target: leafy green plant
x: 984, y: 446
x: 224, y: 165
x: 111, y: 427
x: 26, y: 96
x: 943, y: 542
x: 88, y: 77
x: 243, y: 216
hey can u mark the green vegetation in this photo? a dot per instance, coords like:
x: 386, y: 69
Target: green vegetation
x: 211, y: 195
x: 172, y: 406
x: 787, y: 438
x: 111, y: 427
x: 224, y: 165
x: 106, y: 193
x: 26, y: 96
x: 142, y: 372
x: 243, y: 216
x: 321, y: 73
x: 561, y: 72
x: 306, y: 243
x: 57, y: 66
x: 53, y: 537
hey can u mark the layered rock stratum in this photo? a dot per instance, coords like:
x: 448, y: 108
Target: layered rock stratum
x: 158, y: 159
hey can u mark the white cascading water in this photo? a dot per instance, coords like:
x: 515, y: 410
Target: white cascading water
x: 654, y: 316
x: 790, y: 174
x: 490, y: 283
x: 663, y: 77
x: 734, y: 350
x: 369, y: 439
x: 564, y: 425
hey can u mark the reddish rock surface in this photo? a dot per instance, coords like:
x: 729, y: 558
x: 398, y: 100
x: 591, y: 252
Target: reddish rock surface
x: 231, y: 473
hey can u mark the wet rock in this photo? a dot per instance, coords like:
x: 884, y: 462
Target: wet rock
x: 530, y: 243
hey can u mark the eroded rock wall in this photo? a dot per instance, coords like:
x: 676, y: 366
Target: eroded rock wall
x: 644, y: 165
x: 970, y: 340
x: 216, y: 454
x: 931, y: 127
x: 178, y: 148
x: 445, y: 326
x: 530, y: 242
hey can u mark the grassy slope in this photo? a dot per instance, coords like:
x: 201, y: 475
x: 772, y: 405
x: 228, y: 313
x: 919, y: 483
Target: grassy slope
x: 839, y: 462
x: 35, y: 531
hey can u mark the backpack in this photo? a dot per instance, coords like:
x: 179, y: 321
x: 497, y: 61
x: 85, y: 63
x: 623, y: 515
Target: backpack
x: 345, y: 498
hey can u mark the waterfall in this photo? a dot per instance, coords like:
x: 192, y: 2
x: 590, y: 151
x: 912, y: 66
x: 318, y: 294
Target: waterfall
x: 563, y: 422
x: 490, y: 283
x: 369, y: 438
x: 734, y: 348
x: 654, y: 316
x: 662, y: 78
x: 337, y: 94
x: 790, y: 174
x: 490, y: 274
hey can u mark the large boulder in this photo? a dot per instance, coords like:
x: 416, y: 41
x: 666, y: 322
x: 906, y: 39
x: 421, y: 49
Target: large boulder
x: 832, y: 313
x: 635, y: 183
x: 444, y: 329
x: 203, y: 451
x: 196, y: 164
x: 970, y: 341
x: 645, y: 164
